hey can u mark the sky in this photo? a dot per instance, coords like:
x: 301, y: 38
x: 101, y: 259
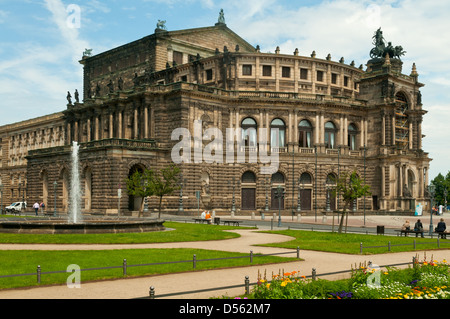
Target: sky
x: 42, y: 41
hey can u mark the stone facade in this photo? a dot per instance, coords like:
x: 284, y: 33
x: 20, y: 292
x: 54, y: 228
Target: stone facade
x: 322, y: 118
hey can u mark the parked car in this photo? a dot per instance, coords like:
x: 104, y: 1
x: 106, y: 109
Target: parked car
x: 16, y: 207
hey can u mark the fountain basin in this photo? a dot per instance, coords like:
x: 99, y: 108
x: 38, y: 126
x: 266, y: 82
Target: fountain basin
x: 103, y: 226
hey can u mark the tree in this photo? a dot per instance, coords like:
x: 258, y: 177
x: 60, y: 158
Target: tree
x: 350, y: 187
x: 140, y: 184
x: 441, y: 184
x: 165, y: 183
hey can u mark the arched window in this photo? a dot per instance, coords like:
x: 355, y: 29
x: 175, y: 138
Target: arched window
x: 277, y: 133
x: 249, y: 127
x: 305, y: 178
x: 248, y: 177
x: 330, y: 135
x: 277, y: 178
x: 401, y: 120
x: 304, y: 133
x: 352, y: 132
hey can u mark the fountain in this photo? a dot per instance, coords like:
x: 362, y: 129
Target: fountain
x: 75, y: 223
x: 75, y: 187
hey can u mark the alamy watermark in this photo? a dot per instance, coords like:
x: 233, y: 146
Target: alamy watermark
x: 74, y: 280
x: 251, y: 142
x: 73, y: 20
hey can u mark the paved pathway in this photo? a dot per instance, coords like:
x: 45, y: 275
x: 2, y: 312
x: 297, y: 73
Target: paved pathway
x: 196, y: 280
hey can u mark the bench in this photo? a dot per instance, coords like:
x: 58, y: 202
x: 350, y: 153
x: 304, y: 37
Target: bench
x: 231, y: 222
x: 202, y: 220
x: 409, y: 231
x: 442, y: 234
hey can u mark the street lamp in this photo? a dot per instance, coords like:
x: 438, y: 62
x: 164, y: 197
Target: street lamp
x: 299, y: 199
x: 182, y: 182
x: 55, y: 185
x: 431, y: 190
x: 280, y: 195
x: 328, y: 196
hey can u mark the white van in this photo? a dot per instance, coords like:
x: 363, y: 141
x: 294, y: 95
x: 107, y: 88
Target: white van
x: 16, y: 207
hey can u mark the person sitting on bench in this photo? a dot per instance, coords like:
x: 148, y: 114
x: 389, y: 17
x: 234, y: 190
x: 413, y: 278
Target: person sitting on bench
x: 441, y: 227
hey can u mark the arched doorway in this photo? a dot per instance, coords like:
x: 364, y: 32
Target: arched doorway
x: 88, y: 189
x: 277, y: 180
x: 134, y: 202
x: 330, y: 184
x: 248, y: 191
x: 306, y: 186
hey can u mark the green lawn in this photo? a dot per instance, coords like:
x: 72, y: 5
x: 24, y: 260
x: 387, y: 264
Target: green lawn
x: 26, y: 261
x: 350, y: 243
x: 176, y: 232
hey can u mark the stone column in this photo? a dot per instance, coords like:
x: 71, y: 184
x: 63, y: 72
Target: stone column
x: 111, y: 125
x: 383, y: 130
x: 96, y: 127
x: 145, y: 122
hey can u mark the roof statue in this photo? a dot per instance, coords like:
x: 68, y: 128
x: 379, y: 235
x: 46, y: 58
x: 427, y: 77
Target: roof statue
x: 381, y: 49
x: 161, y: 25
x: 221, y: 17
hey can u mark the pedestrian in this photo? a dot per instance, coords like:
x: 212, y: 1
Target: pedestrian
x: 36, y: 208
x: 42, y: 207
x: 418, y: 227
x: 203, y: 215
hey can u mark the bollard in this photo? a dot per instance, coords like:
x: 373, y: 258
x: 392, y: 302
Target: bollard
x: 314, y: 274
x: 360, y: 248
x: 124, y: 267
x: 389, y: 246
x: 298, y: 252
x: 414, y: 262
x: 251, y: 256
x: 247, y: 285
x: 438, y: 244
x: 414, y: 244
x: 194, y: 261
x: 38, y: 274
x: 152, y: 292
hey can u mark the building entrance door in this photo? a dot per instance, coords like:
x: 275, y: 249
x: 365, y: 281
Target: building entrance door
x: 248, y: 199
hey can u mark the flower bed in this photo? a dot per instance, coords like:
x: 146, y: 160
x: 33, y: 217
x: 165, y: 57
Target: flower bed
x: 425, y: 280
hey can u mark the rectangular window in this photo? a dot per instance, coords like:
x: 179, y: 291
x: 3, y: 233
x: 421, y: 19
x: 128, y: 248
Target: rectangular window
x: 345, y: 80
x: 286, y: 72
x: 333, y: 78
x: 209, y: 75
x: 320, y: 76
x: 304, y: 74
x: 267, y: 70
x: 246, y: 69
x: 178, y: 57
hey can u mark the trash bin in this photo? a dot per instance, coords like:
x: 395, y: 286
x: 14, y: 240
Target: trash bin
x: 380, y: 230
x: 217, y: 220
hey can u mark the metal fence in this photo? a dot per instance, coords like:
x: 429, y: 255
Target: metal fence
x: 125, y: 265
x: 246, y: 285
x: 414, y: 244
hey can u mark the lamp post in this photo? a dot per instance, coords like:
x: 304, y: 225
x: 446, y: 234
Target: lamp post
x: 431, y: 190
x: 55, y: 185
x: 280, y: 195
x: 266, y: 208
x: 328, y: 196
x: 233, y: 202
x: 299, y: 199
x: 182, y: 182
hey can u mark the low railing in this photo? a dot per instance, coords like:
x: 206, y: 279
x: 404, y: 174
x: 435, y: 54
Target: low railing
x: 125, y: 265
x: 247, y: 284
x: 414, y: 244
